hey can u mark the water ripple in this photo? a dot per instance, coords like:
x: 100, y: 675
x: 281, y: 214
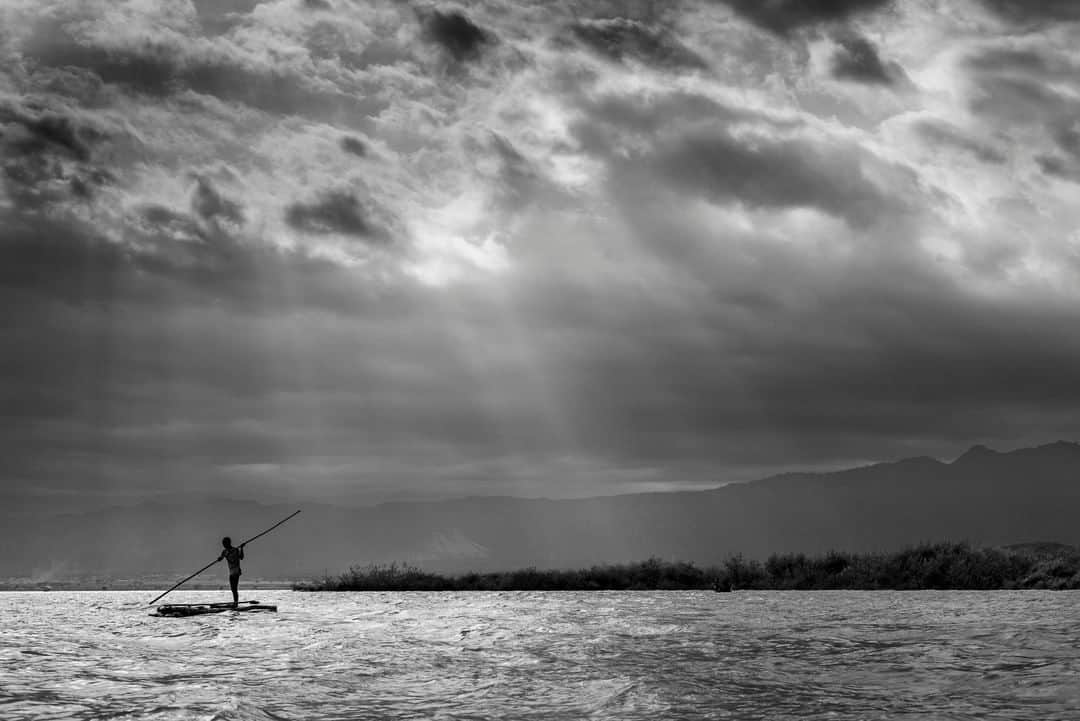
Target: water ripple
x: 865, y: 656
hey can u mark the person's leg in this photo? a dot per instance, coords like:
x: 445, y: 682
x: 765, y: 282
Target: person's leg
x: 234, y: 583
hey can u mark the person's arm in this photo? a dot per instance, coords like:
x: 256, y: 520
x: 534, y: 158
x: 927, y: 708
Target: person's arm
x: 241, y: 552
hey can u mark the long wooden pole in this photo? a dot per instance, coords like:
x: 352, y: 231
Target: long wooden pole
x: 268, y: 529
x: 181, y: 583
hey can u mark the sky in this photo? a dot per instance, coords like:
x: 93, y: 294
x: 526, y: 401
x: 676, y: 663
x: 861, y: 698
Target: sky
x: 362, y: 251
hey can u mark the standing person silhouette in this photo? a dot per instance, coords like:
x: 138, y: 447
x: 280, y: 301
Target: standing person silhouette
x: 233, y: 555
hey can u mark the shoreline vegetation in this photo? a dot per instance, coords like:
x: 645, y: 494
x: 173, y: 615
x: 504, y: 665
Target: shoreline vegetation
x: 938, y: 566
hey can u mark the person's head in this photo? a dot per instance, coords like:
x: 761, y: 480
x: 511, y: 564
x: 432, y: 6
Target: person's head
x: 226, y: 541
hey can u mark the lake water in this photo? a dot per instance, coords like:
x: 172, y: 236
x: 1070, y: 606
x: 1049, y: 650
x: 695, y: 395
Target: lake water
x: 617, y: 655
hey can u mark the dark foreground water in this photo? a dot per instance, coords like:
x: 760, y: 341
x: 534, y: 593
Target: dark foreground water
x: 612, y: 655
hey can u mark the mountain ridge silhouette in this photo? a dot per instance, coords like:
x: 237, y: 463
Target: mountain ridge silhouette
x: 983, y: 497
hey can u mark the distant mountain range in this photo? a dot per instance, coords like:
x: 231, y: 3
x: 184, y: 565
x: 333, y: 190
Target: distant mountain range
x: 985, y: 497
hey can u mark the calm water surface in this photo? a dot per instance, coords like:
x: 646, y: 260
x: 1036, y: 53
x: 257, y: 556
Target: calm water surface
x: 667, y: 655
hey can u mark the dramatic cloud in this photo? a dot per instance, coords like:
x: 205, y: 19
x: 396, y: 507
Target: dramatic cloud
x: 1035, y: 10
x: 334, y: 212
x: 622, y: 39
x: 48, y: 132
x: 1066, y: 169
x: 217, y: 16
x: 1027, y: 89
x: 943, y: 134
x: 783, y: 16
x: 775, y: 173
x: 857, y: 59
x: 354, y: 145
x: 359, y: 251
x: 210, y: 205
x: 460, y: 37
x: 164, y: 64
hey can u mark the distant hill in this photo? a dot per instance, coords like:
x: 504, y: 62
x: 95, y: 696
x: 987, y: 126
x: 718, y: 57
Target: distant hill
x: 984, y: 497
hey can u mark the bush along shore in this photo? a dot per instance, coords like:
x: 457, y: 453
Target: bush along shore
x: 942, y: 566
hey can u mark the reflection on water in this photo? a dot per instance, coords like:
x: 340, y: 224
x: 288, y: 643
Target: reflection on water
x: 664, y: 655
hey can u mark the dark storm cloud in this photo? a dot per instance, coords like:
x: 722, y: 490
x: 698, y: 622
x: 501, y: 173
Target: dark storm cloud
x: 1030, y: 87
x: 776, y: 174
x: 1059, y: 167
x: 455, y: 33
x: 159, y: 70
x: 172, y: 223
x: 327, y: 41
x: 1068, y: 139
x: 857, y: 59
x: 665, y: 137
x: 831, y: 371
x: 621, y: 39
x: 1020, y: 62
x: 46, y: 154
x: 217, y: 16
x: 179, y: 257
x: 1035, y: 10
x: 849, y: 362
x: 941, y: 133
x: 354, y: 146
x: 200, y: 394
x: 336, y: 211
x: 850, y: 375
x: 784, y: 16
x: 35, y: 182
x: 49, y: 131
x: 192, y: 257
x: 152, y: 328
x: 275, y: 91
x: 153, y: 70
x: 209, y: 204
x: 1065, y: 164
x: 1018, y: 100
x: 120, y: 352
x: 610, y: 122
x: 169, y: 258
x: 922, y: 357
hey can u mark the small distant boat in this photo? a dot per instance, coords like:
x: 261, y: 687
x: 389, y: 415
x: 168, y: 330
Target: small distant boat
x: 181, y: 610
x: 722, y: 587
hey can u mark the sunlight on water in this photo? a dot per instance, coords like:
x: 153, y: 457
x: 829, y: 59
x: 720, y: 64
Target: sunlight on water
x: 673, y: 655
